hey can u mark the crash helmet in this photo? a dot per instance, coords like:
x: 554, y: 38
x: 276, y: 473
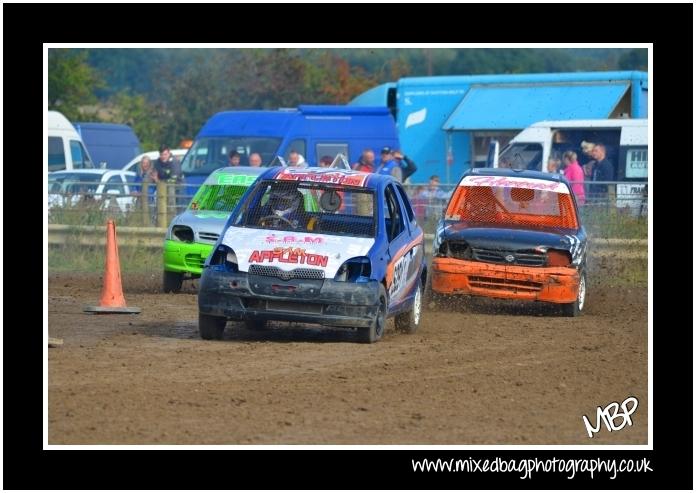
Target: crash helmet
x: 284, y: 202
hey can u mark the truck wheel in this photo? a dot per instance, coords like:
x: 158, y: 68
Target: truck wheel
x: 375, y: 331
x: 210, y: 326
x: 255, y: 324
x: 408, y: 321
x: 575, y: 309
x: 171, y: 281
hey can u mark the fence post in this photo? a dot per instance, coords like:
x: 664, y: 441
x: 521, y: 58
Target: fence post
x: 144, y: 203
x: 162, y: 204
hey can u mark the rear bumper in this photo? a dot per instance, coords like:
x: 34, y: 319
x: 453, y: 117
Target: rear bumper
x: 185, y: 257
x: 326, y: 302
x: 551, y: 284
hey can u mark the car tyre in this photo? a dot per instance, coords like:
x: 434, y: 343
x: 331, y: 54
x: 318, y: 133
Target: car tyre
x: 211, y: 327
x: 171, y: 281
x: 575, y: 309
x: 408, y: 321
x: 375, y: 331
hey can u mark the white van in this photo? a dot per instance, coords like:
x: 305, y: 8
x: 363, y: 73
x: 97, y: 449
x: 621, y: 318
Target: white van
x: 626, y: 142
x: 65, y: 147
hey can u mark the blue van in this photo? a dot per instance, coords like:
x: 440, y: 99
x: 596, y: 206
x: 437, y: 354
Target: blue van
x: 314, y: 131
x: 111, y: 145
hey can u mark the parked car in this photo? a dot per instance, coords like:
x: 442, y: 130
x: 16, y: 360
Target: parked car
x: 153, y: 155
x: 102, y: 186
x: 192, y: 234
x: 326, y: 246
x: 515, y: 235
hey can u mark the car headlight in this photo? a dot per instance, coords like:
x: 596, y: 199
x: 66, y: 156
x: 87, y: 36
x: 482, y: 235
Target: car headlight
x: 558, y: 258
x: 357, y: 269
x: 225, y: 256
x: 182, y: 233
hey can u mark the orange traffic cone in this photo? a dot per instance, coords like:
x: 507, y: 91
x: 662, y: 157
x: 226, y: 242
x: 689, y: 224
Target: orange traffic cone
x: 112, y: 300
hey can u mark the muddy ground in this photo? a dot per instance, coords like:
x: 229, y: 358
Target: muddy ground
x: 487, y: 373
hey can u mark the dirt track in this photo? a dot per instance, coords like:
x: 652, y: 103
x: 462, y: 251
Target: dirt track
x: 487, y: 374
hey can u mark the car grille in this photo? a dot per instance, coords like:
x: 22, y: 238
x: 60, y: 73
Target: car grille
x: 503, y: 284
x: 193, y: 261
x: 498, y: 257
x: 211, y: 237
x: 272, y: 271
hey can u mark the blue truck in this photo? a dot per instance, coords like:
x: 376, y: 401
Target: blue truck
x: 314, y: 131
x: 111, y: 145
x: 446, y: 123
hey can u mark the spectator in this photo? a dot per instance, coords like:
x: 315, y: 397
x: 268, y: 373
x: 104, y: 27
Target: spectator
x: 145, y: 174
x: 388, y: 166
x: 433, y: 192
x: 325, y: 161
x: 235, y: 158
x: 296, y: 159
x: 366, y: 162
x: 603, y: 170
x: 574, y: 174
x: 255, y: 159
x: 167, y: 167
x: 408, y: 167
x: 553, y: 165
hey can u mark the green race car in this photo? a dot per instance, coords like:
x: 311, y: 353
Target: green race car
x: 192, y: 234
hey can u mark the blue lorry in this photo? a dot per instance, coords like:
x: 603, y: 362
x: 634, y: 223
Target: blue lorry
x: 314, y: 131
x: 446, y: 123
x: 111, y: 145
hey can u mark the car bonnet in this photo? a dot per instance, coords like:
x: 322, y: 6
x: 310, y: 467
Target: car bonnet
x: 289, y: 250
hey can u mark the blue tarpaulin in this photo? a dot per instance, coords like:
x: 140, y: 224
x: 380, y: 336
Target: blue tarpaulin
x: 516, y: 107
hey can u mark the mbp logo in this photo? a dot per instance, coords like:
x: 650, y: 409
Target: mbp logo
x: 610, y: 414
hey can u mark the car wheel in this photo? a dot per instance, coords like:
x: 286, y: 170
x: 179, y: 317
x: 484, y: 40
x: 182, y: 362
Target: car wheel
x: 575, y: 309
x: 171, y: 281
x: 210, y: 326
x: 255, y: 324
x: 408, y: 321
x: 375, y: 331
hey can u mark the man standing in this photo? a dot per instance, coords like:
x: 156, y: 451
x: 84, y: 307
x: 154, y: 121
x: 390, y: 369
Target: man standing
x: 167, y: 167
x: 366, y: 163
x: 388, y: 166
x: 603, y: 170
x: 235, y: 158
x: 255, y: 159
x: 408, y: 167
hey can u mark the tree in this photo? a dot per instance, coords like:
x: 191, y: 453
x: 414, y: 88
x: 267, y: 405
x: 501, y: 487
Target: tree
x: 72, y: 82
x: 636, y: 59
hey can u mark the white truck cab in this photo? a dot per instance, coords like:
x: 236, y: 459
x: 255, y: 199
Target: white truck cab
x: 66, y: 151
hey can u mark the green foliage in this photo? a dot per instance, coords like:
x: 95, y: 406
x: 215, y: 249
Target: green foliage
x: 72, y: 82
x: 143, y: 116
x: 167, y: 94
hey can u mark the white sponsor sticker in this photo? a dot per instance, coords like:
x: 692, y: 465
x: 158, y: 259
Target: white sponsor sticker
x: 289, y: 250
x: 512, y: 182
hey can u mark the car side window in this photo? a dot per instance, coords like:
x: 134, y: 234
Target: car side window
x: 394, y: 221
x: 56, y: 154
x: 407, y: 204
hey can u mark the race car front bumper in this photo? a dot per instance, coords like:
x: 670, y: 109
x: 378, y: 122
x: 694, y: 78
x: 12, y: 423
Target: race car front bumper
x: 550, y: 284
x: 185, y: 257
x: 239, y: 296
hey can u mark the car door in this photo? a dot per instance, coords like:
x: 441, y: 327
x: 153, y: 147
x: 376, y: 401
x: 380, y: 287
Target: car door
x: 400, y: 250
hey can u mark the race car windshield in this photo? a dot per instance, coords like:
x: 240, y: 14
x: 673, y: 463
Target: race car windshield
x: 512, y: 207
x: 222, y: 198
x: 309, y: 207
